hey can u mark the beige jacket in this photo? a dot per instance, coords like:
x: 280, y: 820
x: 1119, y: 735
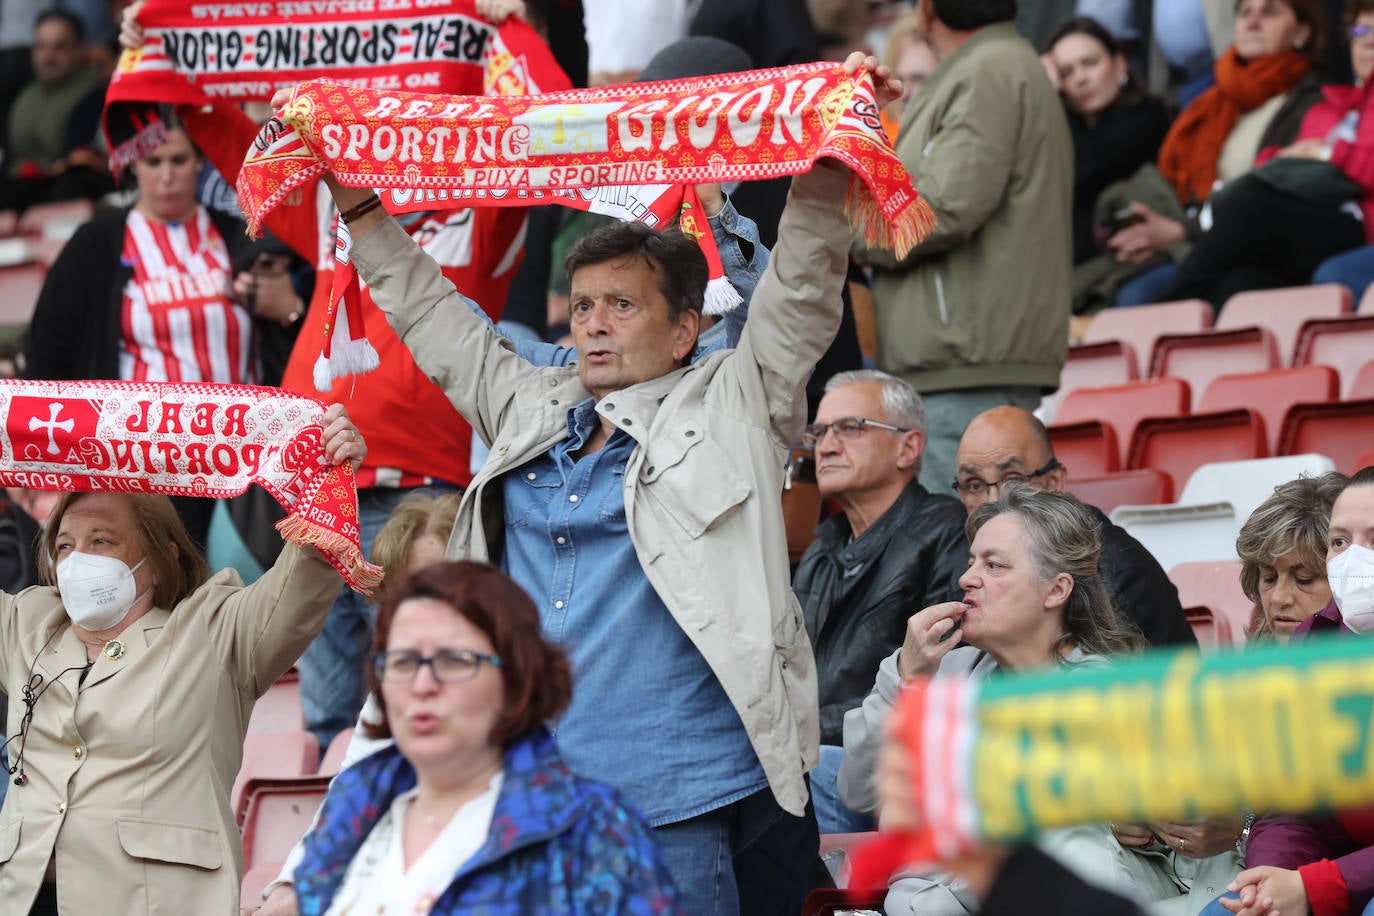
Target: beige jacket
x: 703, y: 486
x: 129, y: 775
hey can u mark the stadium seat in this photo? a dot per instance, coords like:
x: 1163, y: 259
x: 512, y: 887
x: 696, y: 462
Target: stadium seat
x: 1345, y: 344
x: 276, y: 813
x: 1180, y: 445
x: 19, y: 289
x: 1199, y: 358
x: 1089, y: 447
x: 1362, y: 462
x: 255, y: 880
x: 1283, y: 311
x: 1141, y: 326
x: 274, y: 755
x: 1144, y: 487
x: 9, y: 223
x: 338, y: 749
x: 56, y: 220
x: 1366, y: 306
x: 279, y: 710
x: 1246, y: 484
x: 1122, y: 407
x: 1343, y: 431
x: 1270, y: 393
x: 1363, y: 385
x: 801, y: 502
x: 1092, y: 365
x: 45, y: 251
x: 1182, y: 533
x: 1215, y: 585
x: 1211, y: 629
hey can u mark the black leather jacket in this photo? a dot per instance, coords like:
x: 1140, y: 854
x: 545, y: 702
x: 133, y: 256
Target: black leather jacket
x: 857, y: 597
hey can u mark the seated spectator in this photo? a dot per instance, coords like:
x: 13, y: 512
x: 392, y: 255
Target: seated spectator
x: 1322, y: 865
x: 138, y: 672
x: 472, y: 809
x: 1282, y: 548
x: 894, y: 548
x: 911, y: 57
x: 146, y: 294
x: 49, y: 154
x: 1009, y: 444
x: 1116, y: 126
x: 1265, y: 82
x: 1033, y: 598
x: 1302, y: 204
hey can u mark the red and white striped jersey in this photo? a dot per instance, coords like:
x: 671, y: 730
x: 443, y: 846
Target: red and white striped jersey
x: 179, y: 321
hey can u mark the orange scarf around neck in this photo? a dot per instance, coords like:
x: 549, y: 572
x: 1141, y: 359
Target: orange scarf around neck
x: 1188, y: 158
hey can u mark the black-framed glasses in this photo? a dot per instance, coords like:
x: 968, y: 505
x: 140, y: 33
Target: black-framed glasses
x: 845, y: 429
x: 977, y: 486
x: 449, y: 666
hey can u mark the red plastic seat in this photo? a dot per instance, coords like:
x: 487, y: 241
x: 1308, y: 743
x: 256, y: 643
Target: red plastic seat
x: 1121, y: 407
x: 1089, y: 447
x: 20, y: 285
x: 1211, y: 629
x: 1342, y: 431
x: 255, y: 880
x: 279, y: 709
x: 1271, y: 393
x: 1142, y: 325
x: 1362, y: 462
x: 9, y: 223
x: 1283, y: 311
x: 276, y: 813
x: 1366, y: 306
x: 55, y: 220
x: 1180, y: 445
x: 274, y: 755
x: 1363, y: 385
x: 1345, y: 344
x: 1092, y: 365
x: 1199, y: 358
x: 1215, y: 585
x: 1143, y: 487
x: 338, y: 749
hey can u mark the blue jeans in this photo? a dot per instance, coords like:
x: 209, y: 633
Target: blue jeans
x: 1147, y: 288
x: 775, y: 855
x: 832, y: 814
x: 332, y: 667
x: 1352, y: 269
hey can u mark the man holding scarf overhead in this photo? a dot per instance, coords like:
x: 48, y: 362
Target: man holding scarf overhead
x: 696, y: 694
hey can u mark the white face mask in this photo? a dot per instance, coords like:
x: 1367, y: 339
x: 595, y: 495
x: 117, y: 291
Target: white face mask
x: 1351, y: 576
x: 97, y: 591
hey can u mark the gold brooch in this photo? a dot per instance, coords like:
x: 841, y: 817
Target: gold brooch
x: 114, y: 649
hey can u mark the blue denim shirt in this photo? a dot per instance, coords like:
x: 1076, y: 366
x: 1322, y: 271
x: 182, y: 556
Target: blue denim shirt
x: 648, y: 715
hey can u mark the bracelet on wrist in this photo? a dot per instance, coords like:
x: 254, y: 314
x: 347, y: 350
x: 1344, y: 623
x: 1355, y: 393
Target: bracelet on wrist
x: 354, y: 213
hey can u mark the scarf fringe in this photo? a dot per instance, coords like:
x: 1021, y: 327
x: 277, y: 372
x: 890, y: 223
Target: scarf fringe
x: 898, y: 235
x: 721, y: 297
x: 342, y: 553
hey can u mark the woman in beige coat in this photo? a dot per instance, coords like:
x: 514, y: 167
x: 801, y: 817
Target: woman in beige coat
x: 131, y: 678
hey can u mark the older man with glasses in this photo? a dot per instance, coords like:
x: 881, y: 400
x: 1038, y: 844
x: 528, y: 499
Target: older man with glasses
x: 894, y: 549
x: 1008, y: 444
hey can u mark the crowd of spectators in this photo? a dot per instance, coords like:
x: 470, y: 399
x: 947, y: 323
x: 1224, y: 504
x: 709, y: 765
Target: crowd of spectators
x: 592, y: 681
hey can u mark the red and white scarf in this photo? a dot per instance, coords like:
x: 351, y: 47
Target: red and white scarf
x: 187, y: 440
x: 197, y: 52
x: 561, y: 147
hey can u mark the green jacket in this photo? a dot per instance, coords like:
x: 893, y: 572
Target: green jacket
x: 984, y: 299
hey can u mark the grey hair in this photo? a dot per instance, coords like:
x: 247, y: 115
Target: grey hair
x: 1061, y: 535
x: 900, y: 401
x: 1293, y: 520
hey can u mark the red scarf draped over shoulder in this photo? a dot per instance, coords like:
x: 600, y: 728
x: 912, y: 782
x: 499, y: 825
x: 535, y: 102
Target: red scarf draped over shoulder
x: 1188, y: 158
